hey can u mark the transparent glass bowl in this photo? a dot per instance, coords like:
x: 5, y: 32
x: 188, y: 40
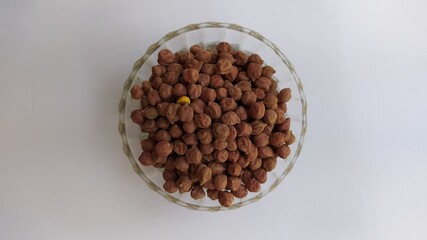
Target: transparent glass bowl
x: 209, y: 34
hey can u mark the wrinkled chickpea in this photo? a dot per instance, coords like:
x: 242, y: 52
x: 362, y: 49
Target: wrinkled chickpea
x: 153, y: 97
x: 230, y: 118
x: 170, y: 186
x: 166, y: 57
x: 270, y: 116
x: 269, y: 164
x: 219, y: 144
x: 150, y: 112
x: 202, y: 120
x: 283, y: 151
x: 223, y: 66
x: 206, y: 148
x: 193, y: 155
x: 189, y: 127
x: 261, y: 140
x: 228, y: 104
x: 136, y: 92
x: 179, y: 147
x: 163, y: 148
x: 175, y: 131
x: 208, y: 94
x: 205, y: 135
x: 235, y: 93
x: 172, y: 112
x: 198, y: 105
x: 221, y: 93
x: 220, y: 155
x: 186, y: 113
x: 163, y: 135
x: 216, y: 81
x: 284, y: 95
x: 208, y: 68
x: 270, y: 101
x: 220, y: 182
x: 190, y: 139
x: 213, y: 109
x: 204, y: 80
x: 257, y: 110
x: 254, y: 71
x: 194, y: 90
x: 184, y: 184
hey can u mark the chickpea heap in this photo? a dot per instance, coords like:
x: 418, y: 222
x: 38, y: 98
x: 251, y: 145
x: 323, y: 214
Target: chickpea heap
x: 215, y: 122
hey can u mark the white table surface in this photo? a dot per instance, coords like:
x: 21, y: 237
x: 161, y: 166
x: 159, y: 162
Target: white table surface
x: 363, y: 170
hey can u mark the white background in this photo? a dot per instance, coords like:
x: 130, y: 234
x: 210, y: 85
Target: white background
x: 363, y: 170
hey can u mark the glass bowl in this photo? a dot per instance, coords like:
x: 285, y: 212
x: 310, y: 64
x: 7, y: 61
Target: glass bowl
x: 209, y: 34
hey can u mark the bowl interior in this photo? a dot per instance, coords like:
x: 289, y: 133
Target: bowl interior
x: 209, y: 34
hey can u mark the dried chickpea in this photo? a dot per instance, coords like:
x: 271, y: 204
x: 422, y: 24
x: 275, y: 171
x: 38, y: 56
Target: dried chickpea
x: 224, y: 47
x: 225, y: 198
x: 283, y: 151
x: 169, y: 175
x: 220, y: 131
x: 181, y: 164
x: 269, y: 164
x: 256, y: 164
x: 204, y: 174
x: 145, y: 159
x: 290, y: 139
x: 270, y: 116
x: 228, y: 104
x: 230, y: 118
x: 163, y: 148
x: 170, y: 186
x: 241, y: 192
x: 221, y: 93
x: 213, y: 110
x: 208, y: 68
x: 197, y: 192
x: 254, y: 70
x: 216, y: 81
x: 233, y: 156
x: 198, y: 106
x: 194, y: 90
x: 148, y: 145
x: 146, y: 87
x: 260, y: 94
x: 206, y: 148
x: 208, y: 94
x: 150, y: 112
x: 158, y: 70
x: 190, y: 75
x: 216, y: 168
x: 241, y: 58
x: 265, y: 152
x: 203, y: 56
x: 223, y: 66
x: 220, y: 155
x: 263, y: 83
x: 270, y: 101
x: 234, y: 169
x: 260, y: 175
x: 257, y: 110
x: 249, y: 98
x: 233, y: 183
x: 284, y: 95
x: 219, y: 144
x: 261, y: 140
x: 189, y: 127
x: 243, y: 76
x: 255, y: 58
x: 179, y: 147
x: 136, y: 92
x: 193, y: 155
x: 157, y: 81
x: 243, y: 129
x: 233, y: 74
x: 212, y: 194
x: 277, y: 139
x: 172, y: 112
x: 268, y: 71
x: 149, y: 126
x: 205, y: 135
x: 231, y: 145
x: 204, y: 79
x: 244, y: 144
x: 179, y: 90
x: 161, y: 108
x: 190, y: 139
x: 171, y: 77
x: 166, y: 57
x: 193, y: 63
x: 184, y: 184
x: 253, y: 185
x: 182, y: 57
x: 232, y: 133
x: 163, y: 135
x: 175, y: 131
x: 220, y: 182
x: 137, y: 117
x: 186, y: 113
x: 202, y: 120
x: 235, y: 93
x: 153, y: 97
x: 244, y: 86
x: 241, y: 112
x: 176, y: 67
x: 280, y: 116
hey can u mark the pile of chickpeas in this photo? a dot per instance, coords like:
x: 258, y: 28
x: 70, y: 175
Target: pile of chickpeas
x: 216, y: 122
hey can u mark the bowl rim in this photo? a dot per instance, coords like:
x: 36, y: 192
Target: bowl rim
x: 142, y: 60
